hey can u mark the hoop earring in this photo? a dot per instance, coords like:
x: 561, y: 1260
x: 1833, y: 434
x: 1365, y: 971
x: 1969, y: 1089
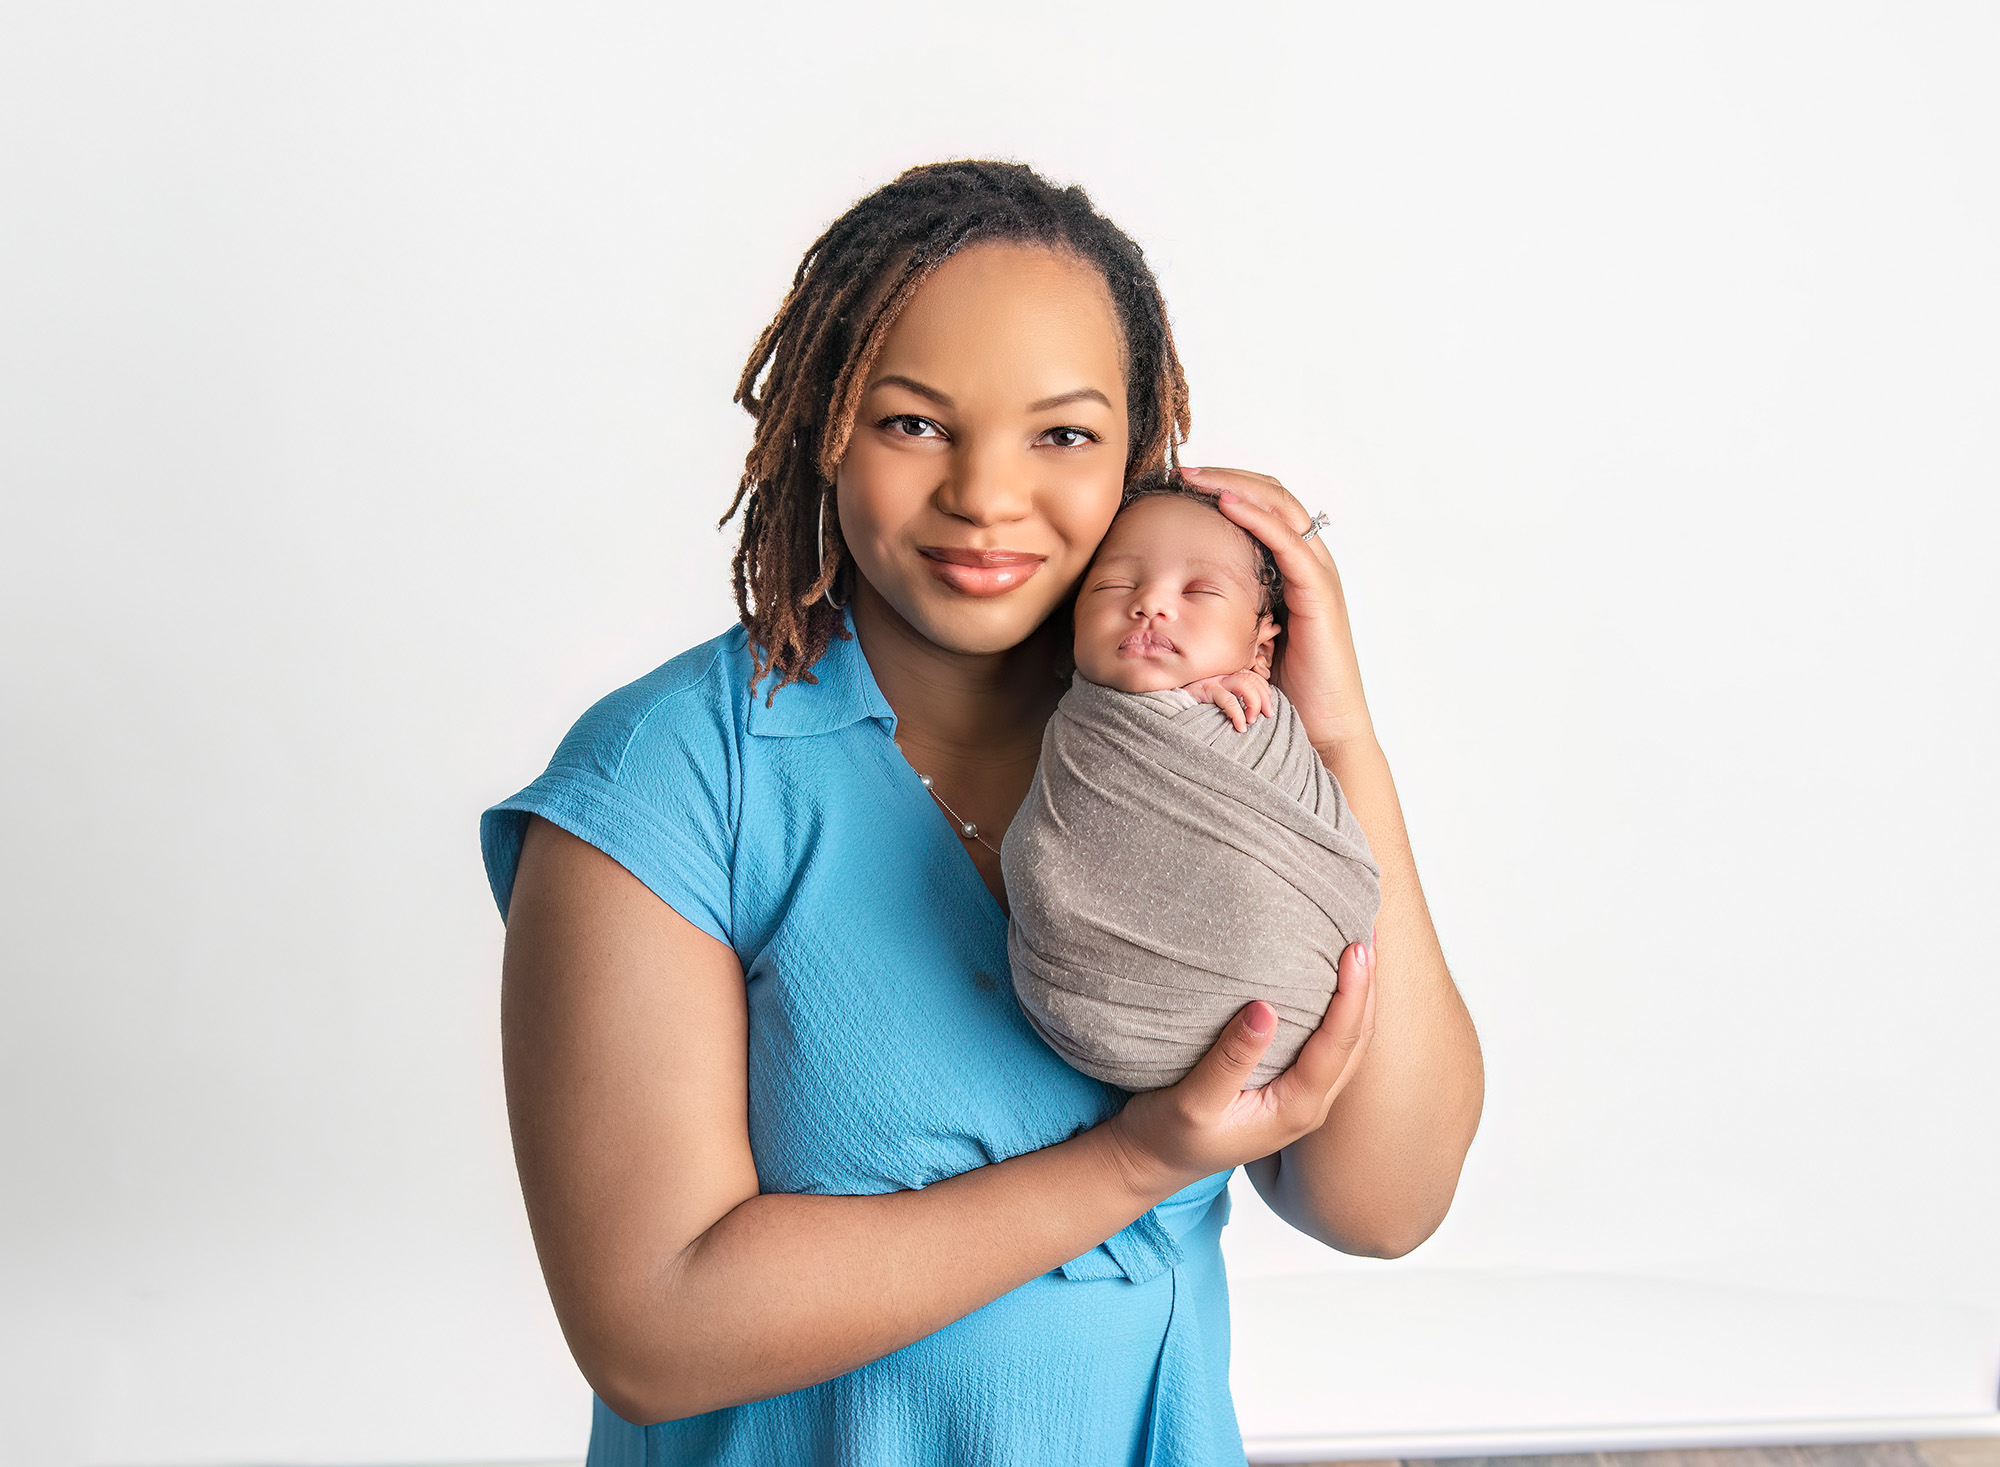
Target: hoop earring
x: 827, y: 594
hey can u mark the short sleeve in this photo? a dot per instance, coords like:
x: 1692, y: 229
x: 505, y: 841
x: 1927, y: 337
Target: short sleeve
x: 649, y: 777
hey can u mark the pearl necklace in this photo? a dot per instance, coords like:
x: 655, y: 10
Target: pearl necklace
x: 965, y: 827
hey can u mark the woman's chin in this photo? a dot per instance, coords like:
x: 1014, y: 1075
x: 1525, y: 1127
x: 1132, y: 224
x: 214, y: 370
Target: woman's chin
x: 972, y: 626
x: 984, y: 632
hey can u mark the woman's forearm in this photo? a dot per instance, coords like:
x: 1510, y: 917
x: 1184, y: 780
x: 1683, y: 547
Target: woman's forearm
x: 1378, y: 1176
x: 788, y: 1290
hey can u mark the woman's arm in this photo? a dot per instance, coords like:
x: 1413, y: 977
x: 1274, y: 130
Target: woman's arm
x: 1378, y: 1177
x: 680, y: 1287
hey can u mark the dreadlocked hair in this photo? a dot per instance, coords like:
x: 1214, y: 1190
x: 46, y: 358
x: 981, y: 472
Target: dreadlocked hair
x: 1168, y: 482
x: 806, y: 375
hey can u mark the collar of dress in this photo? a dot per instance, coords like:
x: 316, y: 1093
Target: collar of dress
x: 845, y: 693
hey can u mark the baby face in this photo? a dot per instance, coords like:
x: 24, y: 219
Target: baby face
x: 1171, y: 598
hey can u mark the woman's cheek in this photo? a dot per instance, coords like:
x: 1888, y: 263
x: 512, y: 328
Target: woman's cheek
x: 873, y: 514
x: 1082, y: 515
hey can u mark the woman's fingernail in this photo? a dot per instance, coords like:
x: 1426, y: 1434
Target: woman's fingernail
x: 1362, y: 956
x: 1256, y: 1022
x: 1229, y: 496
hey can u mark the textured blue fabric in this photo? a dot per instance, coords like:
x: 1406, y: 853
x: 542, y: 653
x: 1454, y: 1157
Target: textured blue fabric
x: 886, y: 1052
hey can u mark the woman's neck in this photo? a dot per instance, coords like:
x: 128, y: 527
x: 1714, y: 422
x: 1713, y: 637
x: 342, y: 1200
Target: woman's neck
x: 987, y: 708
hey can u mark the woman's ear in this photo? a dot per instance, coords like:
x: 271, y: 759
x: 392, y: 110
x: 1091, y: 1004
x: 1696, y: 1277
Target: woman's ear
x: 1267, y: 638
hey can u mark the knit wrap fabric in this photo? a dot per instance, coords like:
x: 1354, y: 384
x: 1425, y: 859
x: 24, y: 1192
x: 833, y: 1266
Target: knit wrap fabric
x: 1166, y: 869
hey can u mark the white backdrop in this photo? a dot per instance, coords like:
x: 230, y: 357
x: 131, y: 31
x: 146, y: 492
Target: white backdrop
x: 364, y: 414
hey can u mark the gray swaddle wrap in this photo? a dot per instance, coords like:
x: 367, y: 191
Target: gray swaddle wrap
x: 1165, y: 870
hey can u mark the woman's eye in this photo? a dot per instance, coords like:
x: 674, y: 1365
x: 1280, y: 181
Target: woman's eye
x: 909, y: 425
x: 1070, y: 437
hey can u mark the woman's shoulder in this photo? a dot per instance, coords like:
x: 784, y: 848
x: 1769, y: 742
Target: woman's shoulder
x: 698, y: 700
x: 648, y: 775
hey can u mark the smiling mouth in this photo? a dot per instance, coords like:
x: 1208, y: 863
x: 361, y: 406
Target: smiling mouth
x: 981, y: 572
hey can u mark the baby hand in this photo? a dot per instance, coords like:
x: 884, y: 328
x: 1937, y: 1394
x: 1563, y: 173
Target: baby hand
x: 1244, y: 696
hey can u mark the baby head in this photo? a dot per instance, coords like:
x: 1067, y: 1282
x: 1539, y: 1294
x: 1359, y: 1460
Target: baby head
x: 1176, y: 593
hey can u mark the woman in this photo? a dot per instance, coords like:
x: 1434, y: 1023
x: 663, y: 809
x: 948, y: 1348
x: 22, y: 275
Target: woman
x: 804, y: 1184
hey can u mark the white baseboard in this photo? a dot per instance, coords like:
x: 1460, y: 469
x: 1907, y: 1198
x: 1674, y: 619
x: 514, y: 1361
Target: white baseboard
x: 1555, y: 1441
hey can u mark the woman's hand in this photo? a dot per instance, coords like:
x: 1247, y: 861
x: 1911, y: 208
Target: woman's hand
x: 1317, y: 668
x: 1207, y: 1122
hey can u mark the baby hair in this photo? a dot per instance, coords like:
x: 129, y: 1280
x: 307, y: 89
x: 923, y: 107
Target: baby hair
x: 1168, y: 482
x: 805, y: 377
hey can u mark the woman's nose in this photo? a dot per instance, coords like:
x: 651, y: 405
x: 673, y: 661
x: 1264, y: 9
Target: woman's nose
x: 987, y: 488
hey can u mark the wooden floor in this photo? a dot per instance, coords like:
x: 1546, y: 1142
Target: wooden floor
x: 1980, y: 1452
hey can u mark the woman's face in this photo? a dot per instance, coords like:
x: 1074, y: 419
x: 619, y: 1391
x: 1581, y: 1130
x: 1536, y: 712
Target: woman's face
x: 988, y: 454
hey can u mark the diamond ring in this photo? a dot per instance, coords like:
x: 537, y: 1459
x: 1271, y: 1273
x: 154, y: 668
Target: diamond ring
x: 1319, y: 522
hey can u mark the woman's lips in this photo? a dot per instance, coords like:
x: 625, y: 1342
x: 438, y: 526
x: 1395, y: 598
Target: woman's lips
x: 981, y: 572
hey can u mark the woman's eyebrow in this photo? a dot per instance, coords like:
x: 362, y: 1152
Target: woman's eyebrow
x: 1081, y: 394
x: 943, y: 399
x: 911, y: 384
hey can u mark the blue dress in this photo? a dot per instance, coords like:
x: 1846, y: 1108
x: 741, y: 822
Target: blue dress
x: 886, y: 1052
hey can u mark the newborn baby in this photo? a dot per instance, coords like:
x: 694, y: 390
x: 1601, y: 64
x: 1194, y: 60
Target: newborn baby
x: 1182, y: 849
